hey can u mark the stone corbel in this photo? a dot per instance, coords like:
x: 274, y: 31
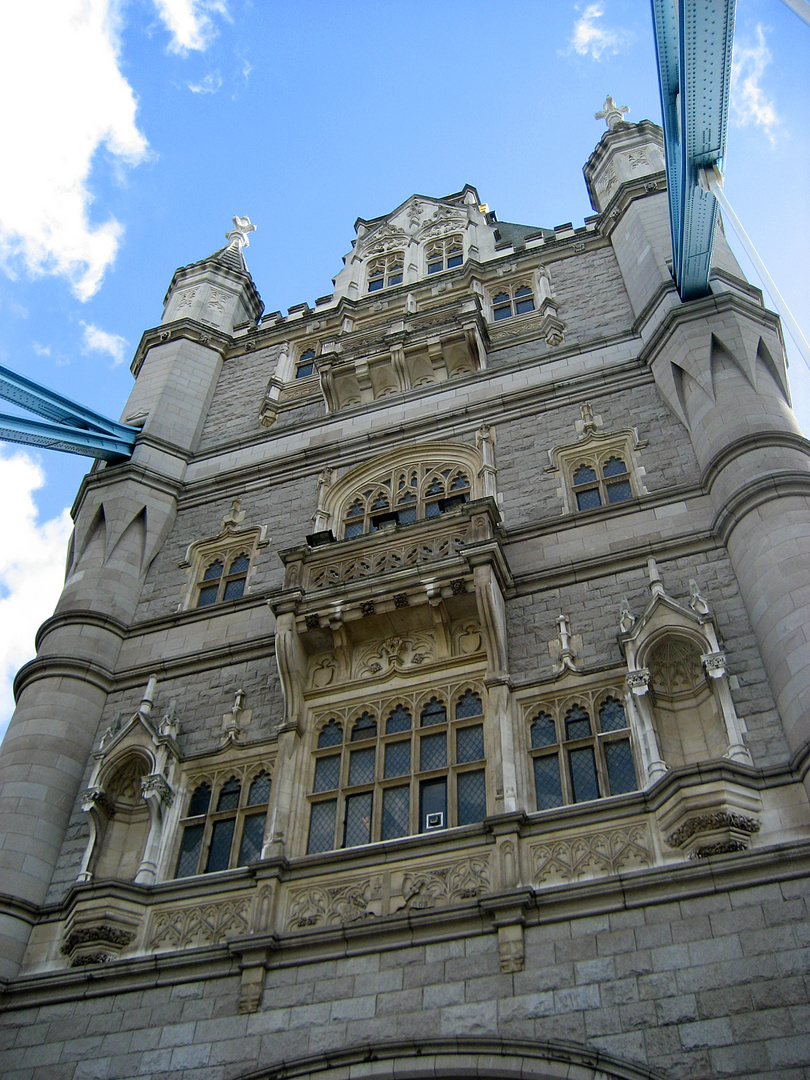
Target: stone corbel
x: 400, y: 366
x: 637, y: 701
x: 509, y: 918
x: 714, y: 664
x: 323, y: 365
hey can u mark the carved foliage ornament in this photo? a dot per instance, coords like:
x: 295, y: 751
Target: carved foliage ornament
x: 204, y: 924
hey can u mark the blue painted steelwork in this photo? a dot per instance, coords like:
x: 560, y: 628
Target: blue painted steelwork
x: 66, y: 426
x: 693, y: 40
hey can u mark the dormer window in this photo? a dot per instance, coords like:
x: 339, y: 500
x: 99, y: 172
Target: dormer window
x: 444, y: 254
x: 305, y: 365
x: 515, y: 301
x: 386, y: 271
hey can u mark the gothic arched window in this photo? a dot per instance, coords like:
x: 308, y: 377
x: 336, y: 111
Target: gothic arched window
x: 581, y: 751
x: 386, y: 270
x: 226, y: 833
x: 216, y: 586
x: 517, y: 299
x: 444, y: 254
x: 403, y: 496
x: 393, y: 779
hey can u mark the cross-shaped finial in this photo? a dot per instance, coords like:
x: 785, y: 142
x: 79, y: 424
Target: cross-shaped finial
x: 239, y: 233
x: 611, y: 113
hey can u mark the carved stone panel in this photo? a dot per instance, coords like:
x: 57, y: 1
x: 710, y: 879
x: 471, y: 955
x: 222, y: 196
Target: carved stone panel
x: 184, y: 927
x: 591, y: 855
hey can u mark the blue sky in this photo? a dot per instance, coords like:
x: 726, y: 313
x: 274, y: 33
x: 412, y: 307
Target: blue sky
x: 138, y: 129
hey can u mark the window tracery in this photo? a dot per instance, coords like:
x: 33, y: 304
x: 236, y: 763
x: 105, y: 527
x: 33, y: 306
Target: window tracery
x: 444, y: 254
x: 386, y: 270
x: 217, y: 586
x: 405, y: 495
x: 400, y: 767
x: 581, y: 748
x: 306, y: 364
x: 509, y: 300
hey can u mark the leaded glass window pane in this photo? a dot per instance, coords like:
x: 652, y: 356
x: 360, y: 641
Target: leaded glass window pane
x: 208, y: 595
x: 189, y: 856
x: 454, y: 260
x: 433, y: 752
x: 395, y: 812
x: 234, y: 589
x: 213, y: 572
x: 397, y: 758
x: 252, y: 836
x: 395, y: 279
x: 361, y: 766
x: 585, y: 475
x: 470, y: 744
x: 375, y: 284
x: 239, y: 565
x: 322, y: 826
x: 472, y: 797
x: 200, y: 801
x: 619, y: 491
x: 543, y: 730
x: 327, y: 773
x: 522, y: 306
x: 364, y: 728
x: 588, y: 500
x: 614, y: 467
x: 611, y: 715
x: 434, y: 712
x: 577, y: 723
x: 219, y: 854
x: 582, y: 765
x: 331, y: 735
x: 620, y: 768
x: 434, y: 267
x: 399, y: 720
x: 469, y: 704
x: 306, y: 364
x: 354, y: 529
x: 547, y: 784
x: 229, y: 795
x: 357, y: 827
x: 259, y: 790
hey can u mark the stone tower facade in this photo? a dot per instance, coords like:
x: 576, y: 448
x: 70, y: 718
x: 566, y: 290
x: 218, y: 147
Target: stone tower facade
x: 430, y: 692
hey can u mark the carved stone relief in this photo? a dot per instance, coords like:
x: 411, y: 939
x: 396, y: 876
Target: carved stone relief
x: 201, y: 924
x: 590, y: 855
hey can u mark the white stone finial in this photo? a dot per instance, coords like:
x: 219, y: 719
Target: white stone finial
x: 239, y: 233
x: 612, y: 113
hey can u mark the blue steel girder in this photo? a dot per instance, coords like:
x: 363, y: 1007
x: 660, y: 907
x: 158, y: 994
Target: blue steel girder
x: 68, y: 426
x: 694, y: 45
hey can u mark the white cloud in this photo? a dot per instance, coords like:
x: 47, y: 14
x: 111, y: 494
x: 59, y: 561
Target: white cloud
x: 98, y: 340
x: 74, y: 101
x: 209, y: 85
x: 749, y: 103
x: 32, y: 569
x: 190, y: 22
x: 590, y: 38
x: 41, y: 350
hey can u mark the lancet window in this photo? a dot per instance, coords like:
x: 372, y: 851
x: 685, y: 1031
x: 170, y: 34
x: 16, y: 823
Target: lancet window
x: 406, y: 767
x: 386, y: 270
x: 224, y: 824
x: 405, y: 496
x: 306, y: 364
x: 581, y: 749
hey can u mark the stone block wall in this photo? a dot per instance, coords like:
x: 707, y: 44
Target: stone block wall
x: 706, y: 982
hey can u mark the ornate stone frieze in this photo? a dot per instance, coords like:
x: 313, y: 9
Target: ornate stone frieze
x: 360, y: 898
x: 201, y: 924
x: 592, y: 854
x: 342, y: 571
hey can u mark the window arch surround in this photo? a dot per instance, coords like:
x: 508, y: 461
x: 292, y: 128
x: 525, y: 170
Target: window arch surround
x: 379, y: 482
x: 495, y: 1059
